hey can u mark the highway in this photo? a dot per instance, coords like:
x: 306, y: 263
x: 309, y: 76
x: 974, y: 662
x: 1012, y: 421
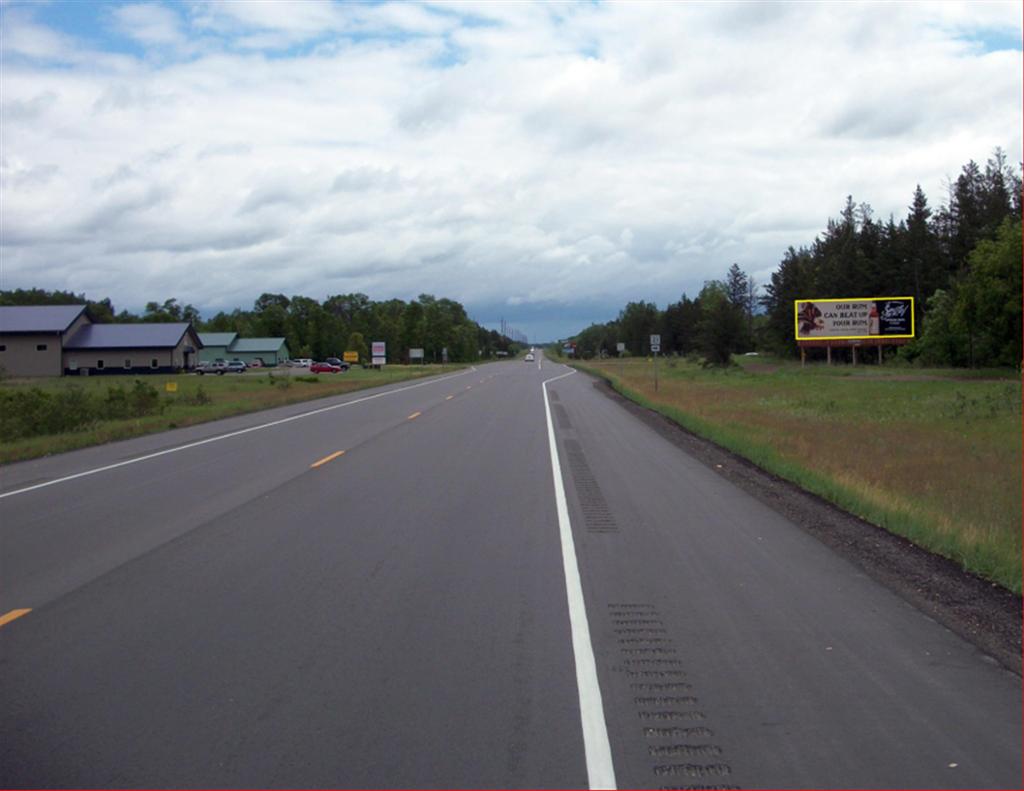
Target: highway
x: 477, y: 580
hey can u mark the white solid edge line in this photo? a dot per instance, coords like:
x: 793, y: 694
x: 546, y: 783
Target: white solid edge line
x: 220, y: 437
x: 596, y: 747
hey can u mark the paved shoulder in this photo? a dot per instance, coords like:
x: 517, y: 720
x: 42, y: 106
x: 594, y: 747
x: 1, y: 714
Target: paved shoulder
x: 735, y: 648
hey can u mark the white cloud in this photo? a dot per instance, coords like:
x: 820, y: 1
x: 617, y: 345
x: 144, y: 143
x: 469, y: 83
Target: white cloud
x: 149, y: 24
x: 538, y: 155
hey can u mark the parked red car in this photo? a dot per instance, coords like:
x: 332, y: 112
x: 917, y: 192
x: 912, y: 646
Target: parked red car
x: 324, y: 368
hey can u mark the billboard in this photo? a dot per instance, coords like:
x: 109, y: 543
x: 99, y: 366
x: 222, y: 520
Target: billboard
x: 859, y: 318
x: 415, y: 354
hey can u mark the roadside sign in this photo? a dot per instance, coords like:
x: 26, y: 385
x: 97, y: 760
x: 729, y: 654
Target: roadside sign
x: 870, y: 319
x: 655, y: 341
x: 620, y: 347
x: 379, y: 360
x: 415, y: 354
x: 655, y: 347
x: 378, y: 349
x: 350, y: 357
x: 444, y: 354
x: 171, y: 387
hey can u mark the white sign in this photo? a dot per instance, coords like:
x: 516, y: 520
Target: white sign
x: 379, y: 360
x: 655, y: 347
x: 415, y: 354
x: 620, y: 347
x: 655, y: 341
x: 378, y: 348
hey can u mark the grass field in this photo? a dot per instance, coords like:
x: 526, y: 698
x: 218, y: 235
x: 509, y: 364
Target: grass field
x: 933, y: 455
x: 198, y: 399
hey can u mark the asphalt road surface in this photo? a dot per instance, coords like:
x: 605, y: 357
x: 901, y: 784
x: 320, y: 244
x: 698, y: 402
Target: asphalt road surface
x: 496, y: 584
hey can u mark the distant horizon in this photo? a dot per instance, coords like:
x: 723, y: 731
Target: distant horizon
x: 542, y: 163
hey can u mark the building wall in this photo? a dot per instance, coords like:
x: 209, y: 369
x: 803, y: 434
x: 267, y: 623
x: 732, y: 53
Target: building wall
x: 131, y: 361
x: 112, y: 361
x: 180, y: 359
x: 210, y: 353
x: 77, y: 324
x: 21, y: 355
x: 269, y: 358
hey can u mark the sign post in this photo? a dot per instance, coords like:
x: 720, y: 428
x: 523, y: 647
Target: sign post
x: 655, y: 348
x: 620, y: 348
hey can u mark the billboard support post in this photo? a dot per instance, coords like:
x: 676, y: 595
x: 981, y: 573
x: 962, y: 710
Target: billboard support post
x: 828, y: 353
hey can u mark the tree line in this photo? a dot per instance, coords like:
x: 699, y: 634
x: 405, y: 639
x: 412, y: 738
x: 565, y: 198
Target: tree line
x: 961, y: 263
x: 344, y: 322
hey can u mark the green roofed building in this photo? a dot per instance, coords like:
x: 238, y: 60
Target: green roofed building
x: 215, y: 345
x: 228, y: 346
x: 272, y: 351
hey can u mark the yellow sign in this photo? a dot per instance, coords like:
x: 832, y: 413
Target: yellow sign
x: 350, y: 357
x: 171, y: 387
x: 866, y: 318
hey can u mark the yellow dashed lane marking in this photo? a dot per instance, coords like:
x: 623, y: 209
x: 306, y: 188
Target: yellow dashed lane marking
x: 326, y: 459
x: 8, y: 617
x: 414, y: 415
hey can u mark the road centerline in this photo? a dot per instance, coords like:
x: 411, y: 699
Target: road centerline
x: 6, y: 618
x: 229, y: 435
x: 326, y: 459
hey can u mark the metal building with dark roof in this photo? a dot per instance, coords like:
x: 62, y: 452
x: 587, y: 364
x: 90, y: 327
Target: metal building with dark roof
x: 132, y: 348
x: 32, y: 337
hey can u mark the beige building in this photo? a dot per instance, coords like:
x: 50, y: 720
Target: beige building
x: 32, y: 337
x: 132, y: 349
x: 50, y: 340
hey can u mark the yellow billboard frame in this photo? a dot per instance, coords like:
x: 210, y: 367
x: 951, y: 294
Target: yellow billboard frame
x: 796, y: 320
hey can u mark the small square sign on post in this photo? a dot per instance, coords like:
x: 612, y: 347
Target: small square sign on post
x: 655, y: 348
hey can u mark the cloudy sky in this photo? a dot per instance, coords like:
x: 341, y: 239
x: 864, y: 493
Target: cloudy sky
x: 542, y: 163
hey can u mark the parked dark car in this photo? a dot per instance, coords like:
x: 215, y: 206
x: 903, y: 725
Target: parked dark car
x: 335, y: 361
x: 324, y: 368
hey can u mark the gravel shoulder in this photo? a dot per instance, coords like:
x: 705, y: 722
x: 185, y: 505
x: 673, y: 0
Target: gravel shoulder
x: 982, y: 612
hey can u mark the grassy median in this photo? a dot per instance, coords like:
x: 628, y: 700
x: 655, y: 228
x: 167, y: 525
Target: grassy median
x: 932, y: 455
x: 120, y: 407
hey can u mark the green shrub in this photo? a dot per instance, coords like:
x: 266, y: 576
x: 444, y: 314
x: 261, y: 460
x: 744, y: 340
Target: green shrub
x: 29, y: 413
x: 143, y: 399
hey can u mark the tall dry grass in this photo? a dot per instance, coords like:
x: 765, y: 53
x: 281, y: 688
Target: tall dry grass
x: 933, y: 457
